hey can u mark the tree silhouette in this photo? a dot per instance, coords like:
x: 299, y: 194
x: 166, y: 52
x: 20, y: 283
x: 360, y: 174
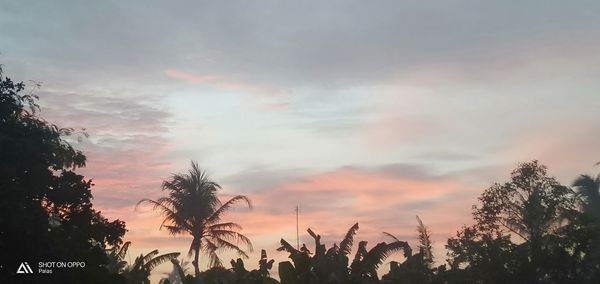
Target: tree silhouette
x: 139, y: 271
x: 192, y: 207
x: 589, y: 188
x: 116, y: 256
x: 417, y: 267
x: 552, y: 236
x: 46, y: 208
x: 331, y: 265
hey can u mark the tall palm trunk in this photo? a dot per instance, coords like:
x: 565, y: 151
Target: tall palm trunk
x: 196, y: 263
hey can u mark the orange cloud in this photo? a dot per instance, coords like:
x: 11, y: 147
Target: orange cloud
x: 330, y: 203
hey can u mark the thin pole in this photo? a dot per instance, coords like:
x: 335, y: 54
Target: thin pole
x: 297, y: 231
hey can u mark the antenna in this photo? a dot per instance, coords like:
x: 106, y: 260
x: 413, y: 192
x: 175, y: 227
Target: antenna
x: 297, y: 231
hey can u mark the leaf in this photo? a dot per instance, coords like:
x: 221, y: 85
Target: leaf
x: 346, y: 243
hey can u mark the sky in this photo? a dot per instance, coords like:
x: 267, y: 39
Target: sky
x: 356, y: 111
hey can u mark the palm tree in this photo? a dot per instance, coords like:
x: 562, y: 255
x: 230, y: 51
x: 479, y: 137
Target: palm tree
x: 192, y: 207
x: 589, y: 188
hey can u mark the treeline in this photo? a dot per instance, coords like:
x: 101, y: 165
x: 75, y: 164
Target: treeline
x: 530, y: 229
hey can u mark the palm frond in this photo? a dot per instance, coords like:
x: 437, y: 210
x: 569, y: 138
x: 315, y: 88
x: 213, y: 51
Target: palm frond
x: 165, y: 206
x: 146, y: 258
x: 377, y: 255
x: 285, y: 246
x: 123, y: 250
x: 228, y: 226
x: 587, y: 186
x: 231, y: 235
x: 154, y: 262
x: 391, y: 236
x: 217, y: 214
x: 346, y: 243
x: 425, y: 241
x: 221, y: 243
x: 211, y: 249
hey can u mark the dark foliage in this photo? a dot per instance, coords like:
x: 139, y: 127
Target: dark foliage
x: 46, y: 208
x: 192, y: 207
x: 528, y: 230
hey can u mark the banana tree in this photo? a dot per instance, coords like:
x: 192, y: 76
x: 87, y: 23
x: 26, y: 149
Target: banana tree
x: 140, y: 270
x: 331, y: 265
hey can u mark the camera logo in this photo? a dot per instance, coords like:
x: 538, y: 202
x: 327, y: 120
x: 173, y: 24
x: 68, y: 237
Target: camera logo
x: 24, y: 268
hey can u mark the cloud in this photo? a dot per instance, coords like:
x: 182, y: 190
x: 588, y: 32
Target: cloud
x: 192, y: 78
x: 289, y: 45
x: 382, y: 198
x: 128, y: 145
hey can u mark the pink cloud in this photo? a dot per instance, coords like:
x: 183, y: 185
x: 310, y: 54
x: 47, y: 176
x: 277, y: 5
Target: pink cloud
x: 331, y: 202
x: 192, y: 78
x: 222, y: 82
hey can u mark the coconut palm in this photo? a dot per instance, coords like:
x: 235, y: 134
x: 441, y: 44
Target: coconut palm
x: 192, y: 207
x: 589, y: 188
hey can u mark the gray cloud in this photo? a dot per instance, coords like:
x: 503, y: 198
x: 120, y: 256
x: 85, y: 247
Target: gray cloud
x: 333, y: 43
x: 127, y: 148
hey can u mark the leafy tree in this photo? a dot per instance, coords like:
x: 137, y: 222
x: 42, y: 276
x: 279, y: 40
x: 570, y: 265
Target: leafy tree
x: 46, y: 208
x: 552, y: 236
x: 476, y: 255
x: 192, y: 207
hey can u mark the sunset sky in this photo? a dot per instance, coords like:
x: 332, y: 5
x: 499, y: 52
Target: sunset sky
x: 357, y: 111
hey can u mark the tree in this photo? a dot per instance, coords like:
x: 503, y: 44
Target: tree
x: 116, y: 256
x: 552, y: 236
x: 325, y: 266
x: 46, y: 208
x: 179, y: 274
x: 417, y: 267
x: 589, y: 188
x: 331, y: 265
x: 192, y: 207
x: 139, y: 271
